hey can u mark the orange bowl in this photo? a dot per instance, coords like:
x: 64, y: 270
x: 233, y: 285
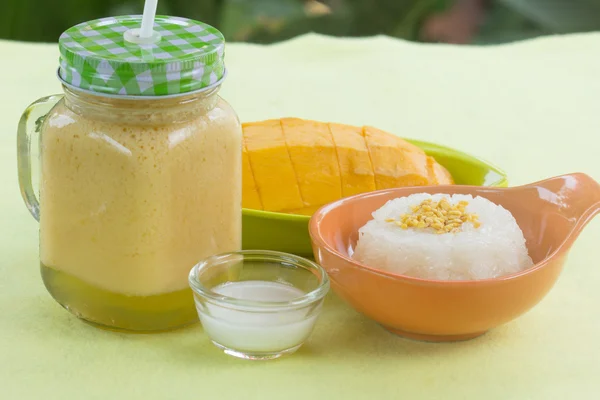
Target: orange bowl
x: 551, y: 214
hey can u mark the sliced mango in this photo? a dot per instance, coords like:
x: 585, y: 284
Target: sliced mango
x: 250, y: 198
x: 394, y: 163
x: 314, y: 159
x: 296, y: 166
x: 271, y: 165
x: 438, y: 175
x: 353, y: 157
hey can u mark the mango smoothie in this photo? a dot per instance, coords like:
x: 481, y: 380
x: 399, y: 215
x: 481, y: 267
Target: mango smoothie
x: 141, y: 169
x: 133, y: 194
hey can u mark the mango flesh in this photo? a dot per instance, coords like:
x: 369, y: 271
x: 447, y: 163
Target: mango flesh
x: 438, y: 175
x: 314, y: 159
x: 394, y: 163
x: 295, y: 166
x: 249, y: 190
x: 271, y: 167
x: 353, y: 158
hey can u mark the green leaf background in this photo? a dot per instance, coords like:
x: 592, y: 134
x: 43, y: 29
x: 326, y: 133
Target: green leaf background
x: 267, y: 21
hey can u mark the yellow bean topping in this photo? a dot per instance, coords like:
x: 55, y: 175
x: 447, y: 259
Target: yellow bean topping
x: 441, y: 216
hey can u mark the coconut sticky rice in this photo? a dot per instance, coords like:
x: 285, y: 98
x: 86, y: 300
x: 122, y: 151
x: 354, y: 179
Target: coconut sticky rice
x: 445, y: 237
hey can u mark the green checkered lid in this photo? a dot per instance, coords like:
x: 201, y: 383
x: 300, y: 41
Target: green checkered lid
x: 103, y: 56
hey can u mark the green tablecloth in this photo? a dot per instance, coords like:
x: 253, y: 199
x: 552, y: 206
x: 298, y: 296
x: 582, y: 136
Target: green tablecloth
x: 532, y: 108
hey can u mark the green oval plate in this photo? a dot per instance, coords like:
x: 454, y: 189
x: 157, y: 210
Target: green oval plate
x: 266, y: 230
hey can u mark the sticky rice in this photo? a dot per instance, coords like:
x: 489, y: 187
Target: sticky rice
x: 488, y: 243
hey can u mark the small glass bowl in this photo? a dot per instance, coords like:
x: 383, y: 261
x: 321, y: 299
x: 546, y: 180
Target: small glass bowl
x: 256, y: 304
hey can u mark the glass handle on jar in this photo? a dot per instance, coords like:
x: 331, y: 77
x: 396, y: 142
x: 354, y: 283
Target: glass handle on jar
x: 31, y: 123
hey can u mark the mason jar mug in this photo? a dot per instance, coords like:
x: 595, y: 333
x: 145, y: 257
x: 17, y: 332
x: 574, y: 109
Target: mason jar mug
x: 140, y: 171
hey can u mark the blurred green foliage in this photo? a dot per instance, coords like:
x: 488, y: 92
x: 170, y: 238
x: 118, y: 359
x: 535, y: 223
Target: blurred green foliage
x: 261, y: 21
x: 267, y: 21
x: 509, y: 20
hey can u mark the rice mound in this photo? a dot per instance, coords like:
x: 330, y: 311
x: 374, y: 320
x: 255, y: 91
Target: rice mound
x: 494, y: 249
